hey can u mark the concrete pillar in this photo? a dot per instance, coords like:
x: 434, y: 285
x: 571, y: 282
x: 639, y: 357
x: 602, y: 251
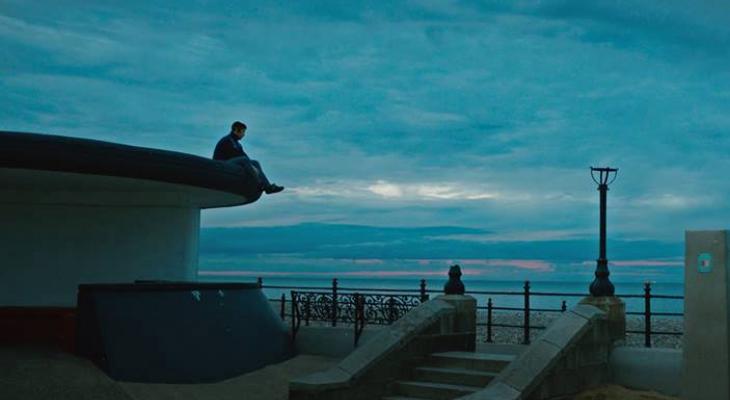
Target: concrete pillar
x: 465, y: 318
x: 615, y: 310
x: 705, y: 364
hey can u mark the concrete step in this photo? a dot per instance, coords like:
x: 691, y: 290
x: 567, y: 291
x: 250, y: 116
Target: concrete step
x: 486, y: 362
x: 501, y: 348
x: 456, y: 376
x: 433, y: 391
x: 401, y: 398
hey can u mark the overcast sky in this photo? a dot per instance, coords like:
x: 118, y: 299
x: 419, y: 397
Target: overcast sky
x: 482, y: 115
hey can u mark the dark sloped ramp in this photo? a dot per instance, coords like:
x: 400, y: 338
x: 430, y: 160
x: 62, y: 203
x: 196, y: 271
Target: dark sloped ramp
x: 179, y: 332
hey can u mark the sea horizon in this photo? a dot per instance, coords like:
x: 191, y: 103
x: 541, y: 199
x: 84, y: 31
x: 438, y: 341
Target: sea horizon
x: 627, y: 281
x: 358, y: 256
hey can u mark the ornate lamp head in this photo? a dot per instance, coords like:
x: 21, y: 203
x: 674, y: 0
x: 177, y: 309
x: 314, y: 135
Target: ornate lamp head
x: 603, y: 175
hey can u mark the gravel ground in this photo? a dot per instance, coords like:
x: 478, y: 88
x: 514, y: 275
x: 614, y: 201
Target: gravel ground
x: 515, y: 335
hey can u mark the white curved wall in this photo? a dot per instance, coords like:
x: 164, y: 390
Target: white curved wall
x: 47, y: 250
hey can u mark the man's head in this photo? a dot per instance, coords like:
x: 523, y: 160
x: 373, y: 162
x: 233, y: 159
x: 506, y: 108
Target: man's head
x: 238, y: 128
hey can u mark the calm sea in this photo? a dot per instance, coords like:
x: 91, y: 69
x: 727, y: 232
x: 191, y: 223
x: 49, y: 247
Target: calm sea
x: 577, y: 288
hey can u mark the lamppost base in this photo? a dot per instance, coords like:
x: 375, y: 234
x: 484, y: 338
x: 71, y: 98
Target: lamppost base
x: 601, y: 285
x: 615, y: 310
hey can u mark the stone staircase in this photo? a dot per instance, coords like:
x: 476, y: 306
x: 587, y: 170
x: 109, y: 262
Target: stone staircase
x: 445, y: 376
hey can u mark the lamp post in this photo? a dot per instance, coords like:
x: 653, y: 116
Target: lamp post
x: 601, y: 286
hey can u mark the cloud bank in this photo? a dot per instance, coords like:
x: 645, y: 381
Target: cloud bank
x: 484, y: 115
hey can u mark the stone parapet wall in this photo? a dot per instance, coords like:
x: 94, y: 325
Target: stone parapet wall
x: 582, y: 363
x: 571, y: 355
x: 368, y: 371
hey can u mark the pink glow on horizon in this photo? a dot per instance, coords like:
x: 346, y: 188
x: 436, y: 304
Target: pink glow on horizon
x: 530, y: 264
x: 393, y: 273
x: 438, y: 267
x: 535, y: 265
x: 324, y: 274
x: 640, y: 263
x: 367, y: 261
x: 377, y: 273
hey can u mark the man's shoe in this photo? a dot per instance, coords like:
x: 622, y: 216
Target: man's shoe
x: 273, y: 188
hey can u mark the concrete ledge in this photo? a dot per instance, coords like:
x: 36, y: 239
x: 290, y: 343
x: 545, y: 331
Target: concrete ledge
x: 501, y: 348
x: 566, y: 330
x: 588, y: 312
x: 641, y: 368
x: 496, y: 391
x: 531, y: 367
x: 333, y: 378
x: 615, y: 310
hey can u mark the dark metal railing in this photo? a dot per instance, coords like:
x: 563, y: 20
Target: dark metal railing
x: 328, y: 307
x: 526, y: 326
x: 361, y: 306
x: 647, y: 314
x: 343, y: 305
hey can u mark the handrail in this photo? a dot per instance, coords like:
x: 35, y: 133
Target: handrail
x: 363, y: 297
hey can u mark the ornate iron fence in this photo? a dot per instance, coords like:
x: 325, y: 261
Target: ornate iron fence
x: 384, y: 306
x: 350, y: 308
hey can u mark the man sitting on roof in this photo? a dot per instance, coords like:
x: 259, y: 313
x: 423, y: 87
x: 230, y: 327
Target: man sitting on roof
x: 230, y: 150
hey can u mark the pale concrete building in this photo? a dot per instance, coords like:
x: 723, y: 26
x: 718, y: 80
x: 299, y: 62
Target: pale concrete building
x: 81, y: 211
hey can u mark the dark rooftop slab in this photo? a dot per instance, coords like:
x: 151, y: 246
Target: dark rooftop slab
x: 75, y: 170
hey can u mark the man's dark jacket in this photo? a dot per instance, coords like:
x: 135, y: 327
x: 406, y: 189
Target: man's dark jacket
x: 228, y: 147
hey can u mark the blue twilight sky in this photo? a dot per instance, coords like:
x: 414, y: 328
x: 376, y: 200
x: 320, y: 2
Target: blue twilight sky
x: 483, y: 116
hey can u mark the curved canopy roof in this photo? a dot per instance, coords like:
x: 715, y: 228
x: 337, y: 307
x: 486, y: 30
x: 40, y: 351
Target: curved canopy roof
x: 82, y: 170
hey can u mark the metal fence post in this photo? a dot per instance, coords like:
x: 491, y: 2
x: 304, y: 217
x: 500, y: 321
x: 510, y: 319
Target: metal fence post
x: 647, y: 314
x: 489, y: 320
x: 334, y: 302
x: 296, y: 318
x: 526, y: 339
x: 359, y: 316
x: 391, y: 310
x: 307, y: 310
x: 283, y: 305
x: 424, y: 296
